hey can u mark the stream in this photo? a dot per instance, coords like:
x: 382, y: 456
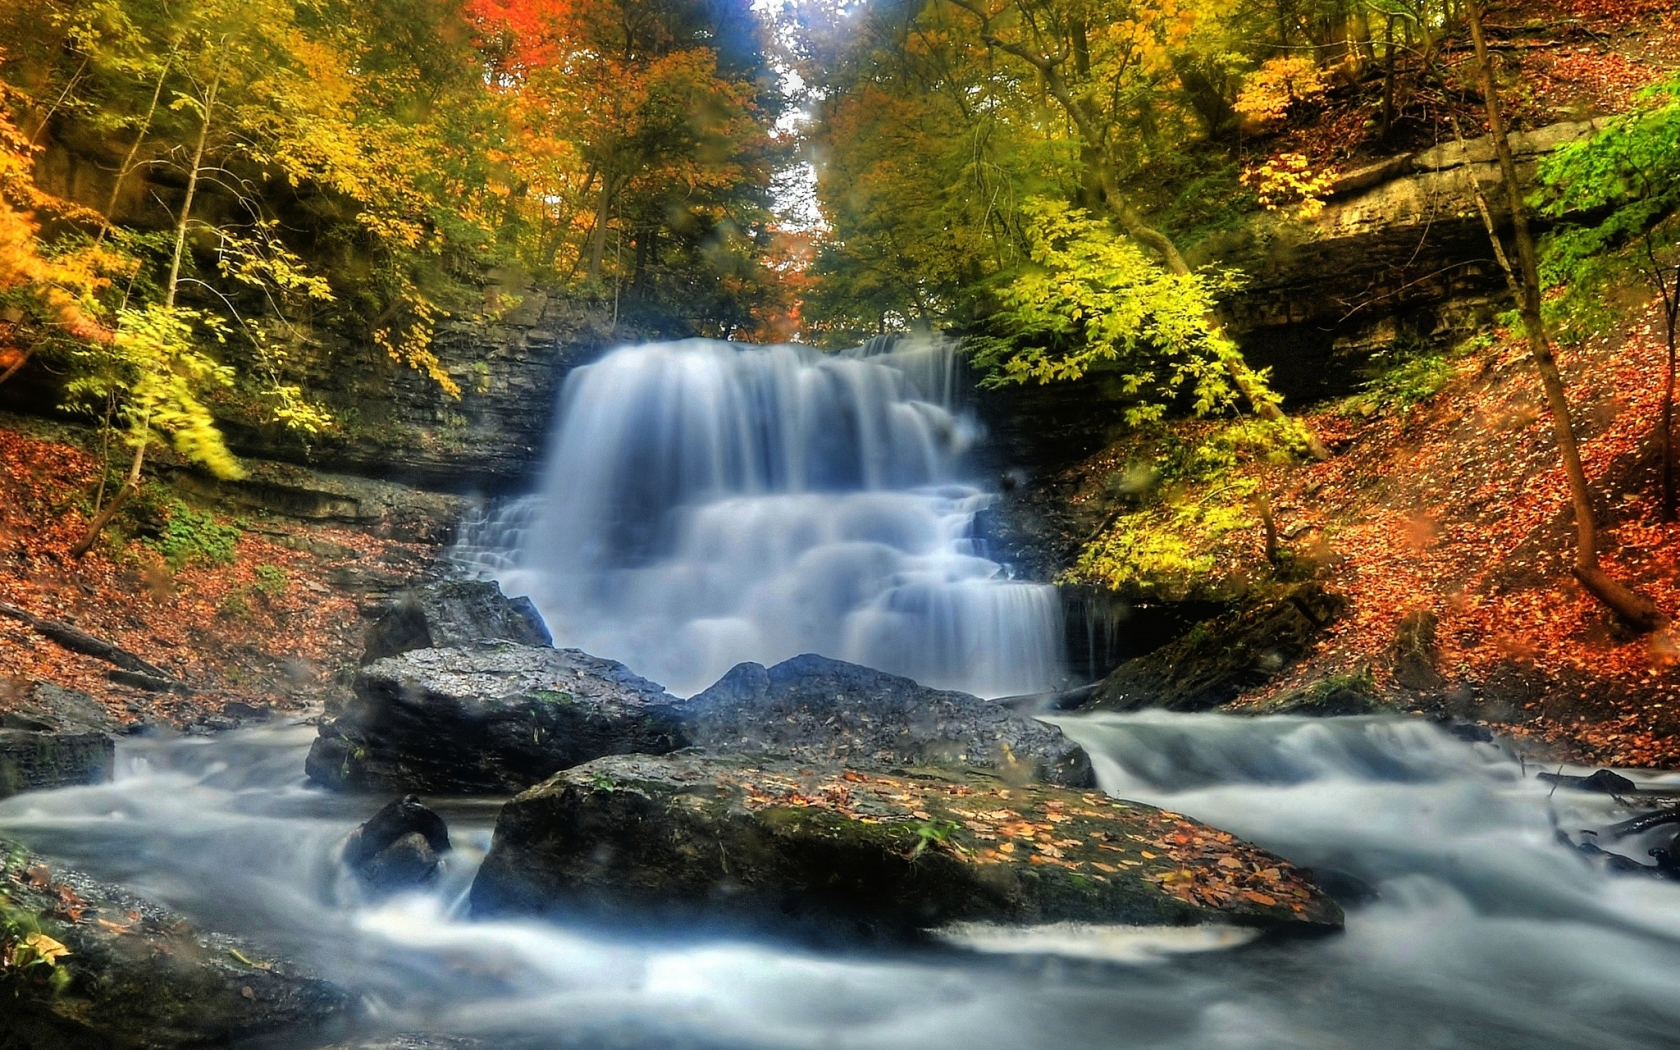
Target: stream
x: 706, y: 504
x: 1485, y: 932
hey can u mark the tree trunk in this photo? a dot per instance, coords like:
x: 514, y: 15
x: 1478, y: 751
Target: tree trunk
x: 131, y: 484
x: 1633, y: 608
x: 22, y: 360
x: 133, y: 151
x: 603, y: 213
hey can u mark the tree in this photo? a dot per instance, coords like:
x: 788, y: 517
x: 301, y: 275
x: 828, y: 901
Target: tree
x: 47, y: 297
x: 1098, y: 63
x: 1628, y: 174
x: 665, y: 108
x: 1631, y: 607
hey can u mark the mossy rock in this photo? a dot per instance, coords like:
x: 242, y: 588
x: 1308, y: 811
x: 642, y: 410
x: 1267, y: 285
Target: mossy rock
x: 139, y: 975
x: 849, y: 853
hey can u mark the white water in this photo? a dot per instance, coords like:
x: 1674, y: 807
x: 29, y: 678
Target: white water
x: 1487, y: 934
x: 706, y: 503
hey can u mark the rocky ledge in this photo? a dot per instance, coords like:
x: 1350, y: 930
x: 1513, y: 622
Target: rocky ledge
x: 56, y: 737
x: 850, y: 852
x: 90, y: 965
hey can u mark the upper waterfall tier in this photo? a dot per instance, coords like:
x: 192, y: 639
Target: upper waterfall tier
x: 706, y: 503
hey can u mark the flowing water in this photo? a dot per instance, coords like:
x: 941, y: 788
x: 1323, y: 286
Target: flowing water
x: 1486, y: 933
x: 706, y: 503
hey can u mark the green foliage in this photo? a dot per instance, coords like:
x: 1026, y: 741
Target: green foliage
x: 1163, y: 542
x: 272, y: 580
x: 932, y: 833
x: 190, y: 538
x: 1627, y: 178
x: 27, y: 954
x: 156, y: 372
x: 1404, y: 375
x: 1094, y: 299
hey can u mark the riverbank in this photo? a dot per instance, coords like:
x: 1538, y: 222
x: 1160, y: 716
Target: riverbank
x: 246, y: 610
x: 1442, y: 524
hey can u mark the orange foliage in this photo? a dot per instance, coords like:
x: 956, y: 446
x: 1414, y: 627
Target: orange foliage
x: 62, y: 286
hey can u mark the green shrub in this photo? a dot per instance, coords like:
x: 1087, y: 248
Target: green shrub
x: 189, y: 538
x: 272, y: 580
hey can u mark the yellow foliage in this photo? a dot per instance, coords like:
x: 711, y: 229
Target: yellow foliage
x: 1268, y: 92
x: 1289, y: 181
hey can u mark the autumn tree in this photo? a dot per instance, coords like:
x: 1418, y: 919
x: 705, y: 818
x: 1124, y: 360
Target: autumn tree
x: 1631, y: 607
x: 645, y: 137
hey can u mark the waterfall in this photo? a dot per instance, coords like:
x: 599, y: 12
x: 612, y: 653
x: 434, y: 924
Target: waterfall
x: 705, y: 503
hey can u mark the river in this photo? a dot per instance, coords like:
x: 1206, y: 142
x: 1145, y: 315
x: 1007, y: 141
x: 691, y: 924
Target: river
x: 1485, y: 932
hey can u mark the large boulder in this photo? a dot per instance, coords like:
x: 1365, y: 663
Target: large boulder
x: 864, y: 852
x: 452, y: 613
x: 488, y: 720
x: 137, y: 975
x: 55, y: 737
x: 812, y: 709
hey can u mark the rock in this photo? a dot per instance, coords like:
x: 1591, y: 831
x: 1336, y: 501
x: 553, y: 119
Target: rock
x: 398, y: 848
x: 34, y: 759
x: 1216, y: 663
x: 454, y: 613
x: 820, y: 711
x: 58, y: 708
x: 1333, y: 697
x: 1414, y: 652
x: 496, y: 720
x: 863, y: 853
x: 1604, y: 781
x: 141, y: 976
x: 56, y: 737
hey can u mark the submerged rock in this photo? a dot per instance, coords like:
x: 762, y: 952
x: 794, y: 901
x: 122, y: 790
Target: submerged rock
x: 464, y: 721
x: 398, y: 848
x: 138, y: 975
x: 453, y: 613
x: 866, y: 853
x: 56, y: 737
x: 816, y: 710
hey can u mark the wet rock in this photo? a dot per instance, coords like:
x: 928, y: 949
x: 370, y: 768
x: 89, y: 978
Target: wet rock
x: 55, y: 737
x: 816, y: 710
x: 857, y: 853
x: 140, y: 975
x: 399, y: 848
x: 1605, y: 781
x: 451, y: 614
x: 488, y: 720
x: 1218, y: 662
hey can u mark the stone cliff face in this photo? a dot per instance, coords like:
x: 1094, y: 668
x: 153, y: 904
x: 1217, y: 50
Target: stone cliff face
x: 1400, y: 255
x: 398, y: 425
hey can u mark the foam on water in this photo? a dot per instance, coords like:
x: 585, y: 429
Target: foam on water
x: 1487, y: 933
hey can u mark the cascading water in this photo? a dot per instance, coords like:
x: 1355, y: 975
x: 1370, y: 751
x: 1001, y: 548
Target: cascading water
x: 706, y: 503
x: 1485, y: 933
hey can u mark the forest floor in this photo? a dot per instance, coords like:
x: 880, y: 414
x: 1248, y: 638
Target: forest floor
x: 1450, y: 501
x: 259, y: 612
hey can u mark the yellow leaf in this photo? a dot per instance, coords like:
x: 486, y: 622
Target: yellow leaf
x: 45, y: 948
